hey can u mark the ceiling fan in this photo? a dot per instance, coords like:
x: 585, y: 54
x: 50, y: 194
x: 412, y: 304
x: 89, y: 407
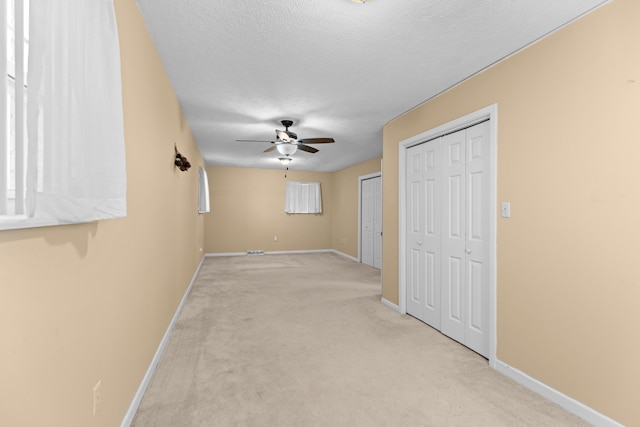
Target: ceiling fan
x: 287, y: 142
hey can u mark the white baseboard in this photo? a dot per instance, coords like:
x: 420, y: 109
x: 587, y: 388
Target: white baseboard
x: 391, y: 305
x: 135, y: 403
x: 304, y: 251
x: 342, y: 254
x: 568, y: 403
x: 208, y: 254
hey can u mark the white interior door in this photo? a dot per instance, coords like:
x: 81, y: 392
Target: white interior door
x: 424, y: 170
x: 453, y: 236
x: 371, y: 221
x: 377, y: 223
x: 367, y: 221
x: 447, y: 251
x: 478, y: 244
x: 415, y: 276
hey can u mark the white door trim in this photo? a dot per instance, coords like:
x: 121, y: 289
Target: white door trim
x: 491, y: 113
x: 360, y: 179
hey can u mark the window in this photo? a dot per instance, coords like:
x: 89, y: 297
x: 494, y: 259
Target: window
x: 303, y: 197
x: 62, y: 156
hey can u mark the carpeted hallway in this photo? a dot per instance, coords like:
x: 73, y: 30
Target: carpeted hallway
x: 303, y: 340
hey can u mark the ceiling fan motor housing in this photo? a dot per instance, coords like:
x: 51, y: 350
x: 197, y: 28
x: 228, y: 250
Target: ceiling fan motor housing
x: 292, y: 135
x: 287, y: 124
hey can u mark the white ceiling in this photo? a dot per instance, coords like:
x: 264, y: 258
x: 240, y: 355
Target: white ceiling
x: 336, y: 68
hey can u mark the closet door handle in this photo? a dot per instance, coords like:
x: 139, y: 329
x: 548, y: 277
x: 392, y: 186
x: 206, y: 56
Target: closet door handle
x: 468, y: 251
x: 419, y: 242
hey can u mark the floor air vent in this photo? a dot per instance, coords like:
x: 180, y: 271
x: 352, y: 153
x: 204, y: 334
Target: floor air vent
x: 256, y: 252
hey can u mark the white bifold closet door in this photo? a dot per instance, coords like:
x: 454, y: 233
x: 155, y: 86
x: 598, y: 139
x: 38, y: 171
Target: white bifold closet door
x: 448, y: 235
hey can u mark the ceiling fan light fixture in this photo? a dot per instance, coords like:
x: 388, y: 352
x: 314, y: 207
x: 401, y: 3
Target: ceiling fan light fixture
x: 285, y: 160
x: 287, y: 149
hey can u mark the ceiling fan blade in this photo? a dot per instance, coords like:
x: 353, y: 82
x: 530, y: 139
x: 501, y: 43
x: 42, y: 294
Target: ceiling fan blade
x: 316, y: 140
x: 307, y: 148
x: 290, y: 141
x: 252, y: 140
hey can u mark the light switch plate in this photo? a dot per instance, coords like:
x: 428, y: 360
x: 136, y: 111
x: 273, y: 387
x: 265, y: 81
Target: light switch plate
x: 505, y: 209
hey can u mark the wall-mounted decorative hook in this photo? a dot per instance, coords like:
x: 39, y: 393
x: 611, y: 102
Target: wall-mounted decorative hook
x: 181, y: 162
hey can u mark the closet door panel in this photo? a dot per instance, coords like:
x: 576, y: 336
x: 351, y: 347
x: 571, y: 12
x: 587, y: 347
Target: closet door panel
x: 453, y: 240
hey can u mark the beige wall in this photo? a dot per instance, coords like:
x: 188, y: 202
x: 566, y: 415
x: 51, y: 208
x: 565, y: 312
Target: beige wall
x: 91, y: 302
x: 247, y: 212
x: 345, y: 205
x: 568, y: 151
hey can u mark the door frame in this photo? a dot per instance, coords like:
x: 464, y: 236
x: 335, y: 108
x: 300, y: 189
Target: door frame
x: 360, y: 180
x: 491, y: 113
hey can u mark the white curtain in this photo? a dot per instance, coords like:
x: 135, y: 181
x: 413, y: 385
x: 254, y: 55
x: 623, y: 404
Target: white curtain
x: 303, y: 197
x: 204, y: 205
x: 76, y: 169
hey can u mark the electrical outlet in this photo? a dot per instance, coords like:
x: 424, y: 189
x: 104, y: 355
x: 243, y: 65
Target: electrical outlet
x: 275, y: 238
x: 97, y: 396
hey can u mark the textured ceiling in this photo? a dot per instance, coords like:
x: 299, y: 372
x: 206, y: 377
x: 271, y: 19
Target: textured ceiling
x: 336, y: 68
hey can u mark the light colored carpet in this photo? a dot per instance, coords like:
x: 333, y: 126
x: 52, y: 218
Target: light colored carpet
x: 303, y: 340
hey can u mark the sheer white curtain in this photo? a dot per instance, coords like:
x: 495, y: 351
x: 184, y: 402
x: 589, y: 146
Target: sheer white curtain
x: 204, y: 204
x: 303, y: 197
x: 76, y: 168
